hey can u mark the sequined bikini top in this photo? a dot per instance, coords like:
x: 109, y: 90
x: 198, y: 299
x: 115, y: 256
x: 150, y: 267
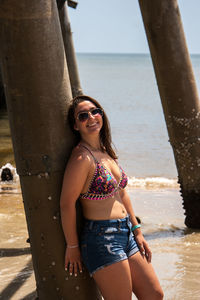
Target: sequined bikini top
x: 103, y: 184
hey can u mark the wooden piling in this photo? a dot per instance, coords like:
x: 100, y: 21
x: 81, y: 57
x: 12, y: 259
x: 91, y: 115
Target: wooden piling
x: 178, y: 92
x: 69, y: 50
x: 38, y: 91
x: 2, y: 95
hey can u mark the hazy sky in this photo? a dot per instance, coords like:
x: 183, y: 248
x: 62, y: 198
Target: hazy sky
x: 115, y: 26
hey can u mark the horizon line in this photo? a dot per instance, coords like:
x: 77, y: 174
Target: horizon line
x: 127, y: 53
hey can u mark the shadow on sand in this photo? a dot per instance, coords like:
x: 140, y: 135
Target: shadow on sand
x: 9, y: 252
x: 21, y: 277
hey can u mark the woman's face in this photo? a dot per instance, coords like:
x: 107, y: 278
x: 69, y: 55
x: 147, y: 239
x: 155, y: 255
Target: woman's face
x: 91, y: 125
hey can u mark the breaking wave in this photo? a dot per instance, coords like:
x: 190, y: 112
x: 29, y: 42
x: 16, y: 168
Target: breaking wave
x: 153, y: 182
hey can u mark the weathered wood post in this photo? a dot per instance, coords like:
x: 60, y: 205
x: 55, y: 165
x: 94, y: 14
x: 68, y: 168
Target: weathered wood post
x: 37, y: 87
x: 179, y: 96
x: 69, y: 48
x: 2, y: 96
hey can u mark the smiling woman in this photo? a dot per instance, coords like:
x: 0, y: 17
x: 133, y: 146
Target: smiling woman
x: 105, y: 136
x: 111, y: 246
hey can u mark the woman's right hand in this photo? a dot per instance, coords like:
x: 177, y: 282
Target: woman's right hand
x: 73, y: 260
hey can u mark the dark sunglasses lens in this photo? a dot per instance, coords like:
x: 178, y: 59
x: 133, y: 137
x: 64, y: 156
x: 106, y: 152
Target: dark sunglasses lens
x: 97, y: 111
x: 83, y: 116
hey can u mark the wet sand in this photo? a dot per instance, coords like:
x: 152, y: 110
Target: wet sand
x: 175, y: 248
x: 16, y: 276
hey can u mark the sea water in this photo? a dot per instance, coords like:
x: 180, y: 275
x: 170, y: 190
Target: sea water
x: 126, y: 87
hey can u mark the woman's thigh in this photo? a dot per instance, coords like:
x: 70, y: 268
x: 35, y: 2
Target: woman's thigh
x: 145, y: 283
x: 114, y: 281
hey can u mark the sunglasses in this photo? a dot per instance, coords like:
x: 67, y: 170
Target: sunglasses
x: 83, y: 116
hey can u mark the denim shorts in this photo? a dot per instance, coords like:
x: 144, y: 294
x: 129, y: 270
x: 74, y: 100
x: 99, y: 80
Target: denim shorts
x: 104, y: 242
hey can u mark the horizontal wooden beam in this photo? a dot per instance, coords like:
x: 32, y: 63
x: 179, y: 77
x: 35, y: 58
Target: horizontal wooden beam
x: 70, y: 3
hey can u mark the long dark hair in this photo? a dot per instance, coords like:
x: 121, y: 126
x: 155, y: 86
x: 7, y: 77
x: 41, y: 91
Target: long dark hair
x: 105, y: 134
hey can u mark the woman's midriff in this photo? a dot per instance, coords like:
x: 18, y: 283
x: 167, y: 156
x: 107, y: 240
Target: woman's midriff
x: 110, y: 208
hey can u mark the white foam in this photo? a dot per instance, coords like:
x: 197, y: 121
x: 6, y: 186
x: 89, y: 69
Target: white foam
x: 13, y: 170
x: 153, y: 182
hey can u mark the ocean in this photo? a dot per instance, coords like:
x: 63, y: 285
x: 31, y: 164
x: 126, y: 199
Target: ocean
x: 126, y: 87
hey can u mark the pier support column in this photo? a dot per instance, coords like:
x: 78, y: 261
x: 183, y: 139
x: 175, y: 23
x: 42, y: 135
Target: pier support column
x: 2, y: 96
x: 38, y: 91
x: 178, y: 92
x: 69, y: 50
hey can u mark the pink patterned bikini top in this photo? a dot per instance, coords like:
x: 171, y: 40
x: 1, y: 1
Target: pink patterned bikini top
x: 103, y: 185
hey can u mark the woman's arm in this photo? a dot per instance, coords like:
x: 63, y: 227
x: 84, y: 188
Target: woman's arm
x: 74, y: 179
x: 142, y: 244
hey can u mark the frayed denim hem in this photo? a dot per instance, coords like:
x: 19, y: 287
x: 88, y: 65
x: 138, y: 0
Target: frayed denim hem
x: 134, y: 251
x: 108, y: 264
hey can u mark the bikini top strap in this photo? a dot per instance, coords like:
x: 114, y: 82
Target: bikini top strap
x: 90, y: 152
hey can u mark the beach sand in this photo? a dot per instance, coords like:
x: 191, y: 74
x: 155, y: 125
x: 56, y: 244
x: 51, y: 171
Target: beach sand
x: 16, y: 276
x: 175, y: 248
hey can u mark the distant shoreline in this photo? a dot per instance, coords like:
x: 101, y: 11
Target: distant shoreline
x: 125, y: 53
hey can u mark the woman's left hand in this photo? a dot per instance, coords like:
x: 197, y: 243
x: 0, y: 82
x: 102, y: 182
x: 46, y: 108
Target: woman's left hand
x: 143, y: 245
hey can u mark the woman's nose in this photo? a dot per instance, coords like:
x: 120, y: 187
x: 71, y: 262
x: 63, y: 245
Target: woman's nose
x: 91, y: 115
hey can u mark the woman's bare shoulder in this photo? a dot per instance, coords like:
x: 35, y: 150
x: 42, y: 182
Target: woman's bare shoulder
x: 80, y: 156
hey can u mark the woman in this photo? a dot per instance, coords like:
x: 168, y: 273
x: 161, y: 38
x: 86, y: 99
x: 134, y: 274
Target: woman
x: 112, y: 246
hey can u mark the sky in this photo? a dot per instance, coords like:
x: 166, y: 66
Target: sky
x: 116, y: 26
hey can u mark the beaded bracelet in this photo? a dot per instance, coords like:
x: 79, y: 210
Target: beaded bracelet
x: 72, y: 246
x: 135, y: 227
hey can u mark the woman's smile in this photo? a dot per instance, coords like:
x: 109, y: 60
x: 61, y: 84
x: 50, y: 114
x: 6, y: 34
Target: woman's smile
x: 92, y: 125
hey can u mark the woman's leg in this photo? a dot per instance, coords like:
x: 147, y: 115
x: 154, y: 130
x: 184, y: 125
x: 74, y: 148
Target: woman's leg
x: 145, y: 283
x: 114, y: 281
